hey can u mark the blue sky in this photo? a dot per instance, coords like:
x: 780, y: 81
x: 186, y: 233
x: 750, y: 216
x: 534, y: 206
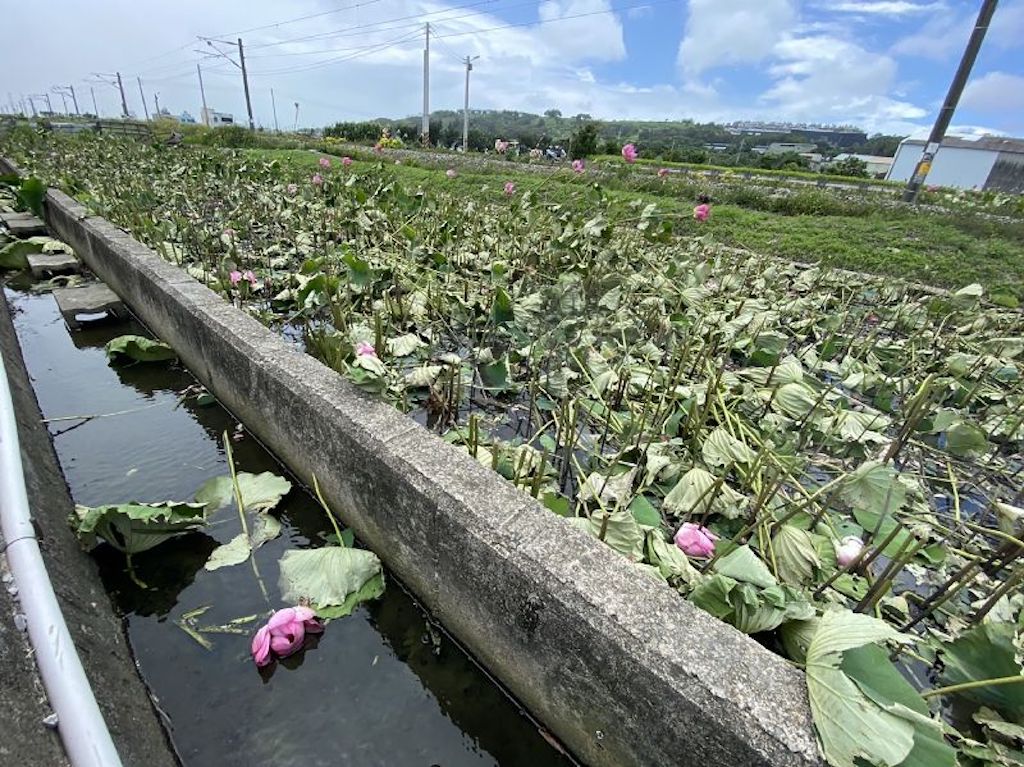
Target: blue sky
x: 884, y: 65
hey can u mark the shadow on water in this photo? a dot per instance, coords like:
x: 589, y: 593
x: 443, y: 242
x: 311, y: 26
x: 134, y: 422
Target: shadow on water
x: 381, y: 687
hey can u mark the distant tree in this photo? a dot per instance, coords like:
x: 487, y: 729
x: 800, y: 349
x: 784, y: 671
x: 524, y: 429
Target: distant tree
x: 849, y: 166
x: 583, y: 141
x: 612, y: 146
x: 582, y: 117
x: 554, y: 114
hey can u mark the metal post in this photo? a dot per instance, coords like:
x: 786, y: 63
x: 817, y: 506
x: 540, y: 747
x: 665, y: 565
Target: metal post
x: 95, y: 109
x: 64, y: 99
x: 273, y: 105
x: 296, y: 126
x: 49, y: 105
x: 145, y: 106
x: 202, y: 92
x: 245, y: 82
x: 924, y: 165
x: 425, y: 127
x: 124, y: 101
x: 74, y: 99
x: 156, y: 102
x: 32, y: 103
x: 465, y: 108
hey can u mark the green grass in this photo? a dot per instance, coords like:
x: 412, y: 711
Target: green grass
x: 947, y: 250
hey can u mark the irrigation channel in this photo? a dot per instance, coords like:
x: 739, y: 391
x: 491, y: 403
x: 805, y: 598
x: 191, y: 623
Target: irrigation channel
x: 384, y: 686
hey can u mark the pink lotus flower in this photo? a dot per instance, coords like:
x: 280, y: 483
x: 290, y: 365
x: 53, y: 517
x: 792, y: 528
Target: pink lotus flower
x: 500, y: 146
x: 510, y: 188
x: 695, y: 541
x: 284, y: 634
x: 848, y: 550
x: 662, y: 172
x: 578, y: 166
x: 317, y: 179
x: 365, y: 349
x: 702, y: 211
x: 249, y: 277
x: 235, y: 277
x: 292, y: 188
x: 629, y: 153
x: 346, y: 161
x: 450, y: 173
x: 325, y: 162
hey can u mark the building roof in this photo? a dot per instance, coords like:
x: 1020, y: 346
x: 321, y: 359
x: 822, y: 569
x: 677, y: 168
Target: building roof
x: 989, y: 143
x: 868, y: 158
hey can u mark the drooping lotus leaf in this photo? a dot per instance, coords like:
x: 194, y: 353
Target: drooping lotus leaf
x: 132, y: 348
x: 986, y: 651
x: 850, y: 725
x: 136, y: 527
x: 332, y: 579
x: 260, y: 492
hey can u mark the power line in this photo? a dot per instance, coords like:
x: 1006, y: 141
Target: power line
x: 338, y: 59
x: 297, y: 19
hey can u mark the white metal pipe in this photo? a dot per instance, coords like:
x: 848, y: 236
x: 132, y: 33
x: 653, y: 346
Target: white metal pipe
x: 85, y: 735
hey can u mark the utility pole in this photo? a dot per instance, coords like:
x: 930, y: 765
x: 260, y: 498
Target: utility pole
x: 49, y: 106
x: 145, y: 106
x: 465, y: 109
x: 245, y: 82
x: 124, y: 101
x: 202, y: 92
x: 156, y: 101
x: 74, y: 99
x: 296, y: 126
x: 32, y: 103
x: 95, y: 109
x: 63, y: 98
x: 425, y: 127
x: 273, y: 105
x: 240, y: 64
x: 924, y: 165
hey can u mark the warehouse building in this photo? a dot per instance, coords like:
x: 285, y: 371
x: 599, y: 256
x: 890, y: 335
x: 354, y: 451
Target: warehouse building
x: 989, y: 162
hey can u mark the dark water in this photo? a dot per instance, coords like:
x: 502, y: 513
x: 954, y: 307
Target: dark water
x: 381, y: 687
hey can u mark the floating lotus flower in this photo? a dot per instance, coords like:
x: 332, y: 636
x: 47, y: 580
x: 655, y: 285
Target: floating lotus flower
x: 695, y: 541
x: 284, y: 634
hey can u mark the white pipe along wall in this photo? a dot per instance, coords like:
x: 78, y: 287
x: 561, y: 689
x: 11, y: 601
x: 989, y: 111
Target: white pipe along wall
x: 81, y: 726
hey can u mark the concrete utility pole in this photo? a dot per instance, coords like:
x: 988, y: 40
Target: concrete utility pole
x: 156, y: 101
x: 32, y: 103
x: 924, y: 165
x: 425, y: 126
x: 49, y: 106
x: 145, y: 106
x: 245, y: 82
x: 202, y: 92
x: 62, y: 98
x: 273, y: 105
x: 465, y: 108
x: 124, y: 101
x: 95, y: 109
x: 296, y: 126
x: 74, y: 99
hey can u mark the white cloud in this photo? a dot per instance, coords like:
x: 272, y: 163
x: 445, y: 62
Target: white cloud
x: 883, y: 7
x: 830, y: 79
x: 720, y: 32
x: 995, y: 92
x: 945, y: 34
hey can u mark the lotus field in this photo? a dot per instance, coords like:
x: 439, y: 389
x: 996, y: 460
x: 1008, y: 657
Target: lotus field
x: 827, y: 461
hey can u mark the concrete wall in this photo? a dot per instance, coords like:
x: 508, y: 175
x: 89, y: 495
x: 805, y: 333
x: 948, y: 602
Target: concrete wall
x: 614, y: 662
x: 957, y: 167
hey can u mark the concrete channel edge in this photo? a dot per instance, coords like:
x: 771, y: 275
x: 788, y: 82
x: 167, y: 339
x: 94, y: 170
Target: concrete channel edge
x: 614, y: 663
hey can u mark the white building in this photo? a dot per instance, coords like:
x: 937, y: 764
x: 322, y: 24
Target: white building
x: 988, y: 162
x: 215, y: 119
